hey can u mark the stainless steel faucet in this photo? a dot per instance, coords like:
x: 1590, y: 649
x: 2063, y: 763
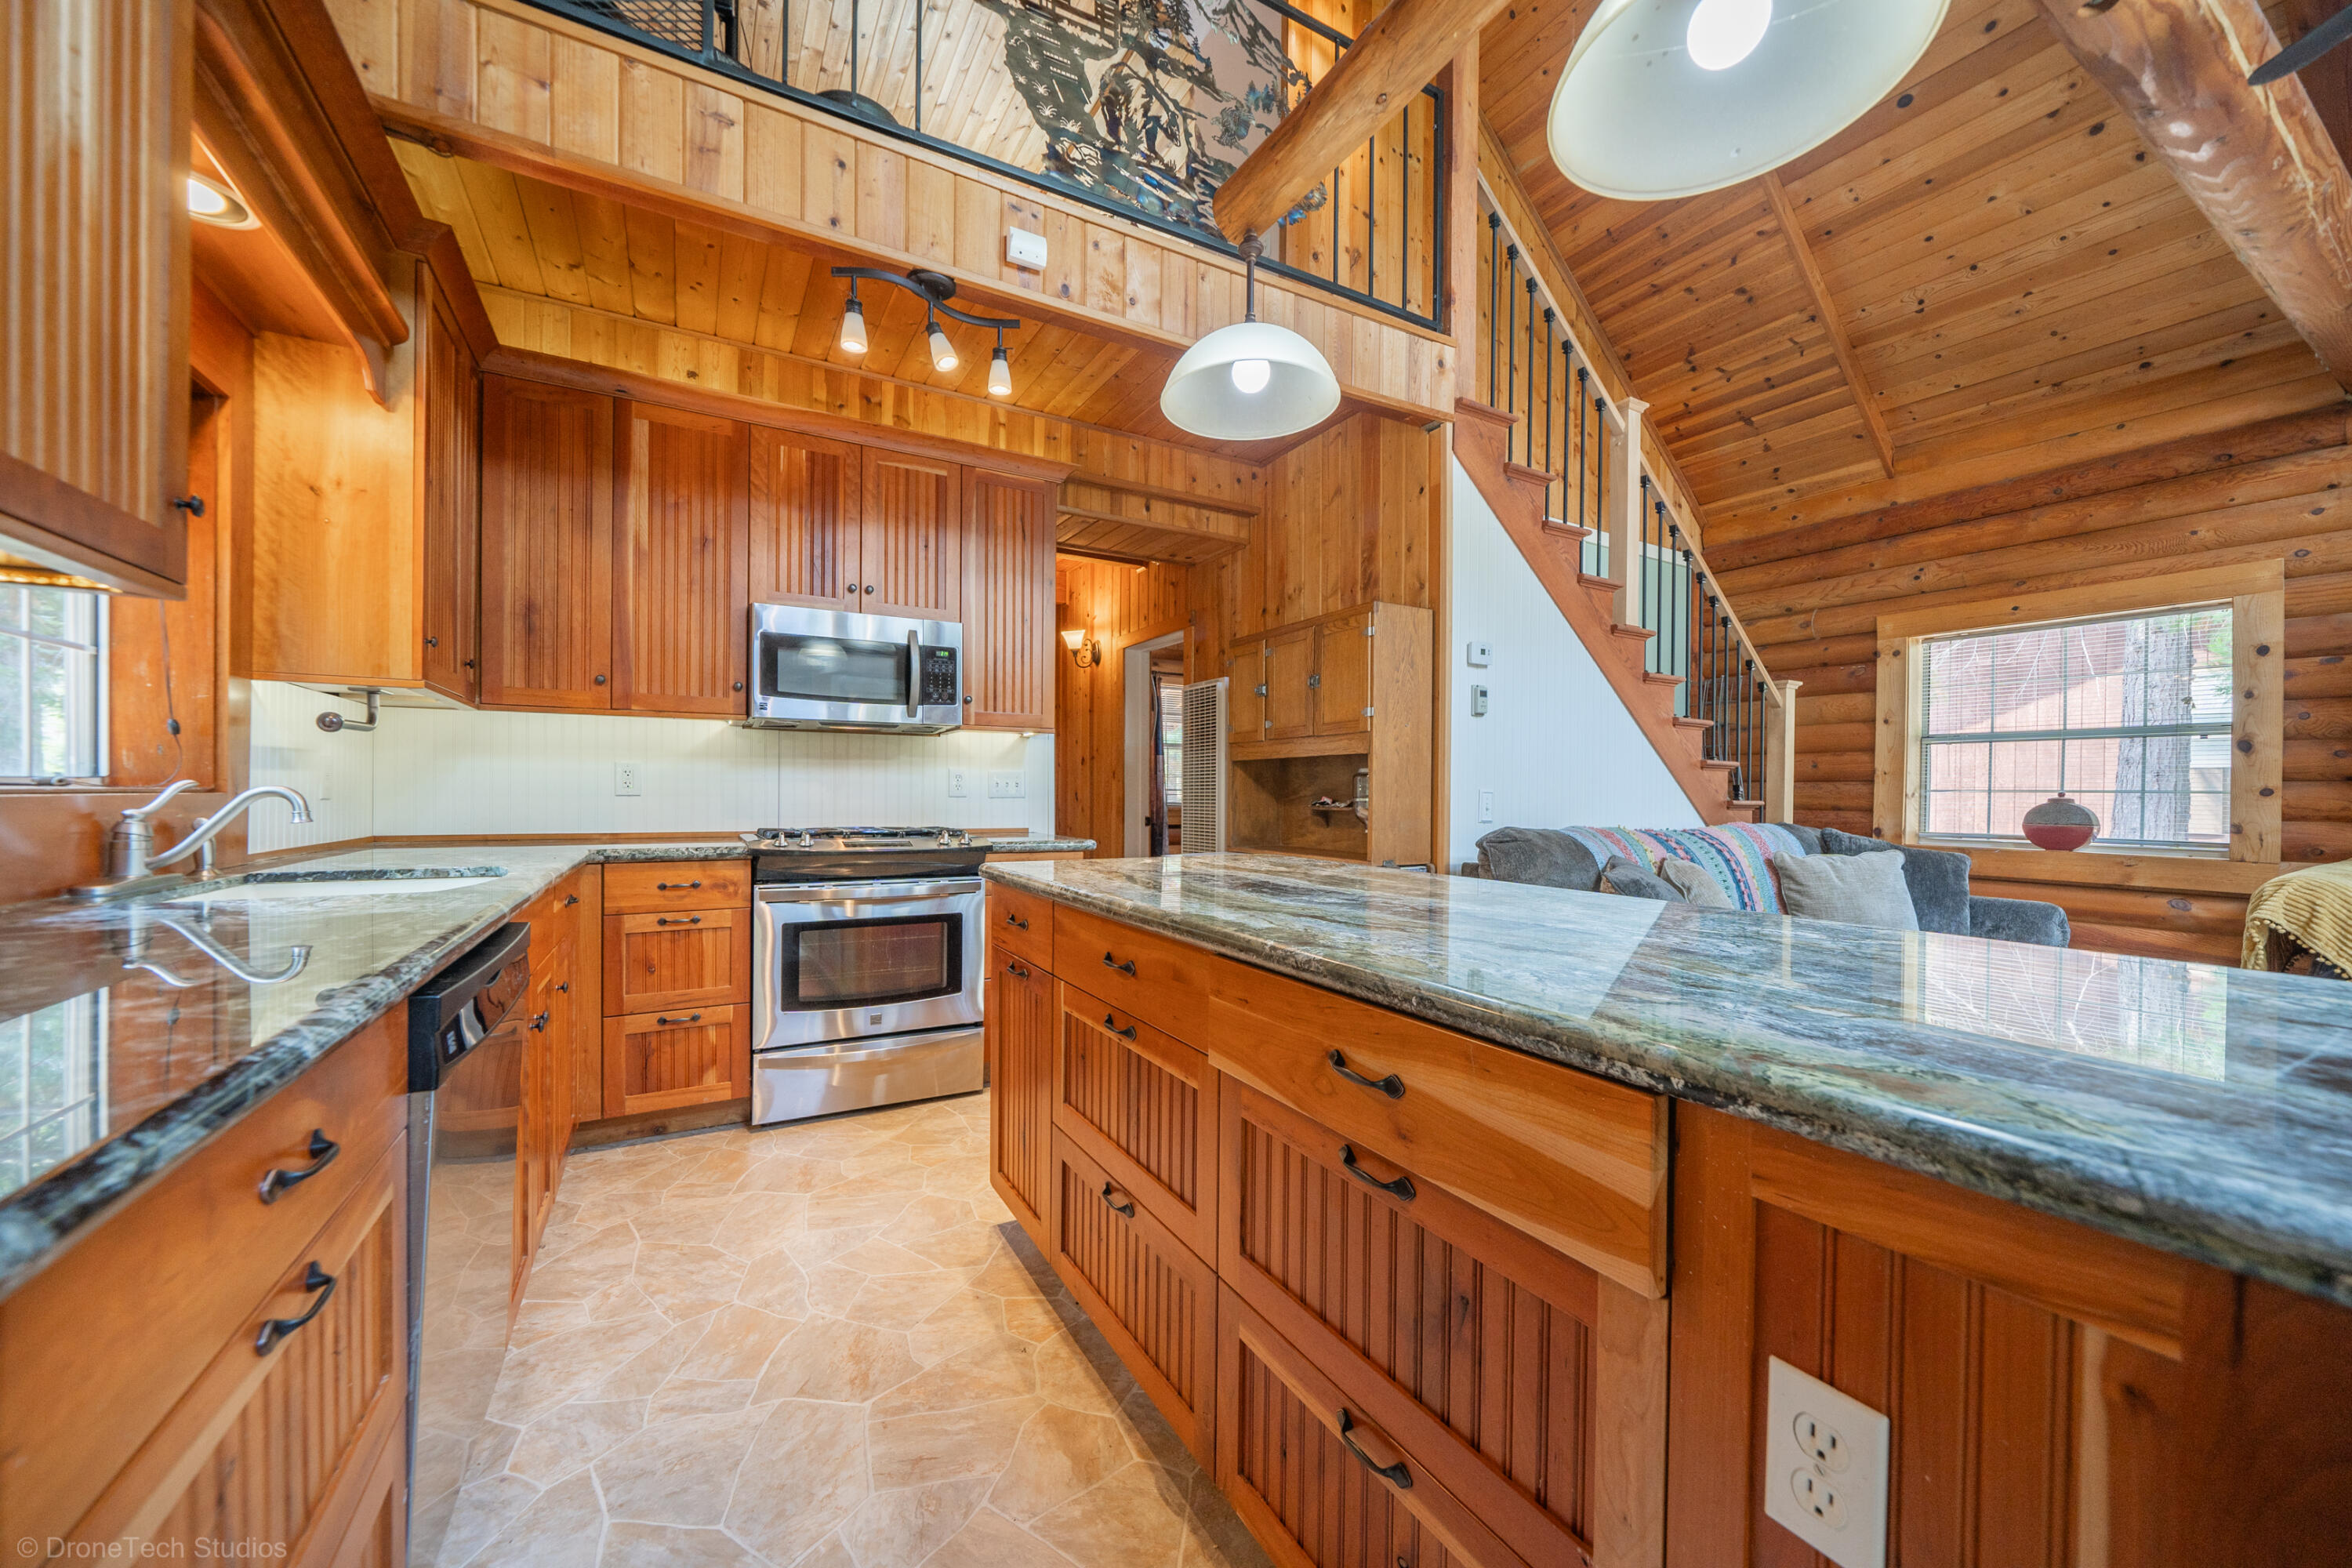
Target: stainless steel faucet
x: 131, y: 863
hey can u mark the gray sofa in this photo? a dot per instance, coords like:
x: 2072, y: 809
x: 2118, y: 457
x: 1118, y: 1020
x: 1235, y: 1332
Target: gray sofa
x: 1938, y: 879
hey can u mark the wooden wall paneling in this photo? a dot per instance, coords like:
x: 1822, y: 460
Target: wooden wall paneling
x: 681, y: 611
x: 1010, y: 648
x: 547, y: 546
x: 94, y: 348
x: 805, y: 497
x: 910, y: 535
x: 1023, y: 1029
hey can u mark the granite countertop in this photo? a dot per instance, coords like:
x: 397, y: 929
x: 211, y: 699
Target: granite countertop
x: 2207, y: 1112
x: 136, y: 1045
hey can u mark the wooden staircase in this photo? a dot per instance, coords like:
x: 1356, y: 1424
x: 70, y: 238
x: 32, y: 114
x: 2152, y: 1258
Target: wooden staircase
x: 1482, y: 440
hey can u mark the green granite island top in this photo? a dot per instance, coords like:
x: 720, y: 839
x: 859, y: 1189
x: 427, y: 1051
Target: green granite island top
x: 2207, y: 1112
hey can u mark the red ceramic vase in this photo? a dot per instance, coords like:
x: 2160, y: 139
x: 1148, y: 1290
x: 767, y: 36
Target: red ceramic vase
x: 2060, y: 823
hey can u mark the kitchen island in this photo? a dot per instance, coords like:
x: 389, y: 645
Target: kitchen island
x: 1479, y: 1211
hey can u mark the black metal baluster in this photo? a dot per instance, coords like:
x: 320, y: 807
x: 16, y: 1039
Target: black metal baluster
x: 1337, y: 221
x: 1404, y: 214
x: 1639, y: 581
x: 1494, y: 303
x: 918, y: 67
x: 1681, y: 614
x: 1511, y: 341
x: 1530, y: 421
x: 853, y: 53
x: 709, y: 27
x: 1582, y: 450
x: 1549, y: 511
x: 1372, y: 217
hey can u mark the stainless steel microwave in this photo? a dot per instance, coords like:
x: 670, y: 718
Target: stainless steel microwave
x: 831, y: 669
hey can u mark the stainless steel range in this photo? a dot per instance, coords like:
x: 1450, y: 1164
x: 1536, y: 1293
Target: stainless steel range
x: 867, y: 942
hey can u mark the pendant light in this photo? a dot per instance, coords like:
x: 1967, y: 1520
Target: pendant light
x: 1000, y: 371
x: 853, y: 324
x: 937, y: 289
x: 944, y: 354
x: 1252, y: 381
x: 1663, y: 98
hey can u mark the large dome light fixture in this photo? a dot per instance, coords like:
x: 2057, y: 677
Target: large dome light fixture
x: 1663, y: 98
x: 1252, y: 381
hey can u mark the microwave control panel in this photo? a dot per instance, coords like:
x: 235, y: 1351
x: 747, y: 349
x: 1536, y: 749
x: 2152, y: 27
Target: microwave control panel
x: 939, y: 677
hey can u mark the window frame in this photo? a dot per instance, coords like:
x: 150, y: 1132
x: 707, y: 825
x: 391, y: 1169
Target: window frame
x: 2256, y: 595
x: 101, y: 694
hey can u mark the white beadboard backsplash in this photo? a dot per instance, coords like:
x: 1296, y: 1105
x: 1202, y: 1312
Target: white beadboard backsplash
x: 441, y: 771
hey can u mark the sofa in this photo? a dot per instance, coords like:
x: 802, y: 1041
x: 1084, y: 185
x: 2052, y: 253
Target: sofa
x: 1938, y: 879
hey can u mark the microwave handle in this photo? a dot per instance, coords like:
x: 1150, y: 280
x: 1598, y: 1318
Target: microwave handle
x: 914, y: 675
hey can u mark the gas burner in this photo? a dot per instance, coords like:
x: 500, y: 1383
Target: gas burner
x: 856, y: 839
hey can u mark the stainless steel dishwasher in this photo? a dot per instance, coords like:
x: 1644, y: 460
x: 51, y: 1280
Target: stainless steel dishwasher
x: 466, y: 1030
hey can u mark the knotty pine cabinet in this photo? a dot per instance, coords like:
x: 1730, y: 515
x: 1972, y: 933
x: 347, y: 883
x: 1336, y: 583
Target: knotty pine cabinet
x: 681, y: 620
x: 806, y: 498
x: 1009, y: 639
x: 547, y: 546
x: 911, y: 537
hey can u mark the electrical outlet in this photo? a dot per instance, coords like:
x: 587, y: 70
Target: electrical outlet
x: 1485, y: 806
x: 1482, y: 654
x: 1005, y: 784
x: 1825, y: 1468
x: 957, y: 779
x: 625, y: 779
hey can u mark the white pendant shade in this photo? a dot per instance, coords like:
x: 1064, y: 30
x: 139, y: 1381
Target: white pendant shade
x: 1295, y: 389
x: 1672, y: 98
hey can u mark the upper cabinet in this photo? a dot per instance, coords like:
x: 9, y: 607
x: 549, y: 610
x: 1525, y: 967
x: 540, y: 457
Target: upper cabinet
x: 804, y: 509
x: 1008, y: 603
x: 682, y: 614
x: 453, y: 505
x: 547, y: 546
x: 909, y: 538
x: 93, y: 346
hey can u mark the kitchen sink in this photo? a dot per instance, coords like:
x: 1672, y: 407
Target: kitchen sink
x: 264, y: 888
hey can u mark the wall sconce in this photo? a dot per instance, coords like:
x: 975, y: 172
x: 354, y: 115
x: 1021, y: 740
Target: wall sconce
x: 936, y: 289
x: 1085, y: 652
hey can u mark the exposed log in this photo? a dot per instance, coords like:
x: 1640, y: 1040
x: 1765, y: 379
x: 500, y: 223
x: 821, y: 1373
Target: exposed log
x: 1400, y: 53
x: 1873, y: 424
x: 2258, y: 161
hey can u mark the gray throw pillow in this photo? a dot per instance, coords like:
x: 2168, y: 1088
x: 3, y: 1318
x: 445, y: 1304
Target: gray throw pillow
x: 1622, y: 876
x: 1855, y: 890
x: 1543, y: 856
x: 1696, y: 884
x: 1938, y: 879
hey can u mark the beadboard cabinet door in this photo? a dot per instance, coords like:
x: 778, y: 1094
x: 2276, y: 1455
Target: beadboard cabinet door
x: 911, y: 536
x: 547, y: 546
x: 681, y: 614
x: 804, y: 509
x: 1008, y: 603
x: 1024, y: 1027
x: 452, y: 506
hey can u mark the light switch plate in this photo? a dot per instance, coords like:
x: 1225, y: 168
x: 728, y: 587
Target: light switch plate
x: 1485, y: 806
x: 1825, y: 1468
x: 957, y: 783
x: 1004, y: 784
x: 627, y: 779
x: 1022, y: 249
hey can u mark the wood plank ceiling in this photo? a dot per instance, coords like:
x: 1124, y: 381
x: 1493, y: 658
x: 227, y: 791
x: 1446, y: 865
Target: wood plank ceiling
x: 2020, y: 283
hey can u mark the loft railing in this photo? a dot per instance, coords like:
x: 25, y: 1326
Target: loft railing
x: 1599, y: 483
x: 1134, y: 109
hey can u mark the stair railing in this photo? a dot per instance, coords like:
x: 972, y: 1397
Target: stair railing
x: 1601, y: 483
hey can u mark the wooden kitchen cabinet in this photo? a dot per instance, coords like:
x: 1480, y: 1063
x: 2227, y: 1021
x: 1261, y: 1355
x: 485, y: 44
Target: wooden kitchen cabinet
x: 1023, y: 1033
x: 93, y: 343
x: 1246, y: 692
x: 677, y: 985
x: 911, y: 537
x: 682, y: 613
x: 1008, y: 603
x: 1341, y: 686
x: 686, y: 959
x: 805, y: 495
x: 691, y: 1056
x: 547, y: 546
x: 1144, y: 1105
x: 452, y: 544
x: 1289, y: 707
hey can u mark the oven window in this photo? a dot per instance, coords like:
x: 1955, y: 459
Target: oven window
x: 853, y: 963
x: 832, y: 669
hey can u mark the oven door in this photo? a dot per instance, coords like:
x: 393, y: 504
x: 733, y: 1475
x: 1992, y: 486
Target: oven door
x: 814, y: 668
x: 843, y: 961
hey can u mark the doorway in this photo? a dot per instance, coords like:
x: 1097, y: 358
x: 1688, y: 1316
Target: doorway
x: 1152, y: 680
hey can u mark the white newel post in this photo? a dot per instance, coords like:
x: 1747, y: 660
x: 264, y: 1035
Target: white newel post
x: 1780, y: 750
x: 1624, y: 520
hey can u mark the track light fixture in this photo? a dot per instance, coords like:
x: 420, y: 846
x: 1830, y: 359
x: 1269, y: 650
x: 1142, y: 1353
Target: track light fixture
x: 936, y: 289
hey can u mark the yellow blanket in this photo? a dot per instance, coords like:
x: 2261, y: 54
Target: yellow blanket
x: 2313, y: 906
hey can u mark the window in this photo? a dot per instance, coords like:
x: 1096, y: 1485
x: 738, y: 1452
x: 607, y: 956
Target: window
x: 2129, y: 715
x: 52, y: 1086
x: 52, y: 684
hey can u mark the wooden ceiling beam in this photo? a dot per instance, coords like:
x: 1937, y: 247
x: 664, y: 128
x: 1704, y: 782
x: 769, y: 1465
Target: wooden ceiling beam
x: 1401, y: 52
x: 2258, y: 161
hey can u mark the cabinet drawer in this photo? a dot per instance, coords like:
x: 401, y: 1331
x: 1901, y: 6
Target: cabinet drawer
x: 1021, y: 922
x: 117, y: 1329
x: 665, y: 962
x: 1143, y: 1288
x: 1144, y: 1106
x: 1577, y: 1162
x: 1309, y: 1468
x: 632, y: 888
x: 1481, y: 1343
x: 689, y: 1056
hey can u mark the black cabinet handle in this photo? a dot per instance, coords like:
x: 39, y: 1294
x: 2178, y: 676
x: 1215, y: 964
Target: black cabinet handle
x: 739, y: 686
x: 564, y: 987
x: 1392, y: 1085
x: 1111, y: 962
x: 690, y: 1019
x: 273, y: 1330
x: 323, y: 1151
x: 690, y: 921
x: 1127, y: 1209
x: 539, y: 1023
x: 1400, y: 1189
x: 432, y: 642
x: 1013, y: 920
x: 677, y: 887
x: 1015, y: 971
x: 570, y: 899
x: 1396, y: 1475
x: 470, y: 664
x: 1112, y: 1022
x: 869, y: 587
x: 600, y: 680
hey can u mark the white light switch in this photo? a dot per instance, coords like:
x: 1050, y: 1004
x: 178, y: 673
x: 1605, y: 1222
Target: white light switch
x: 1022, y: 249
x: 1825, y: 1469
x: 1485, y: 806
x: 1007, y: 784
x: 624, y: 779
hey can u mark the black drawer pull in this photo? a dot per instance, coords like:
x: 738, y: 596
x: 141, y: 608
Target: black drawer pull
x: 1401, y: 1188
x: 1396, y: 1475
x: 1015, y: 971
x: 323, y: 1151
x: 690, y: 1019
x: 677, y: 887
x: 570, y: 899
x: 564, y: 987
x: 1126, y: 1208
x: 1392, y: 1085
x: 1111, y: 962
x: 1111, y: 1024
x: 688, y: 920
x: 539, y: 1022
x: 1013, y: 920
x: 273, y: 1330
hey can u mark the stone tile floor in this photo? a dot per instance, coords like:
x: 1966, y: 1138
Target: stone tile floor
x: 824, y: 1346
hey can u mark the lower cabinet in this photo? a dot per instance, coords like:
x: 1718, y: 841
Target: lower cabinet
x: 690, y: 1057
x: 1023, y: 1028
x: 675, y: 984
